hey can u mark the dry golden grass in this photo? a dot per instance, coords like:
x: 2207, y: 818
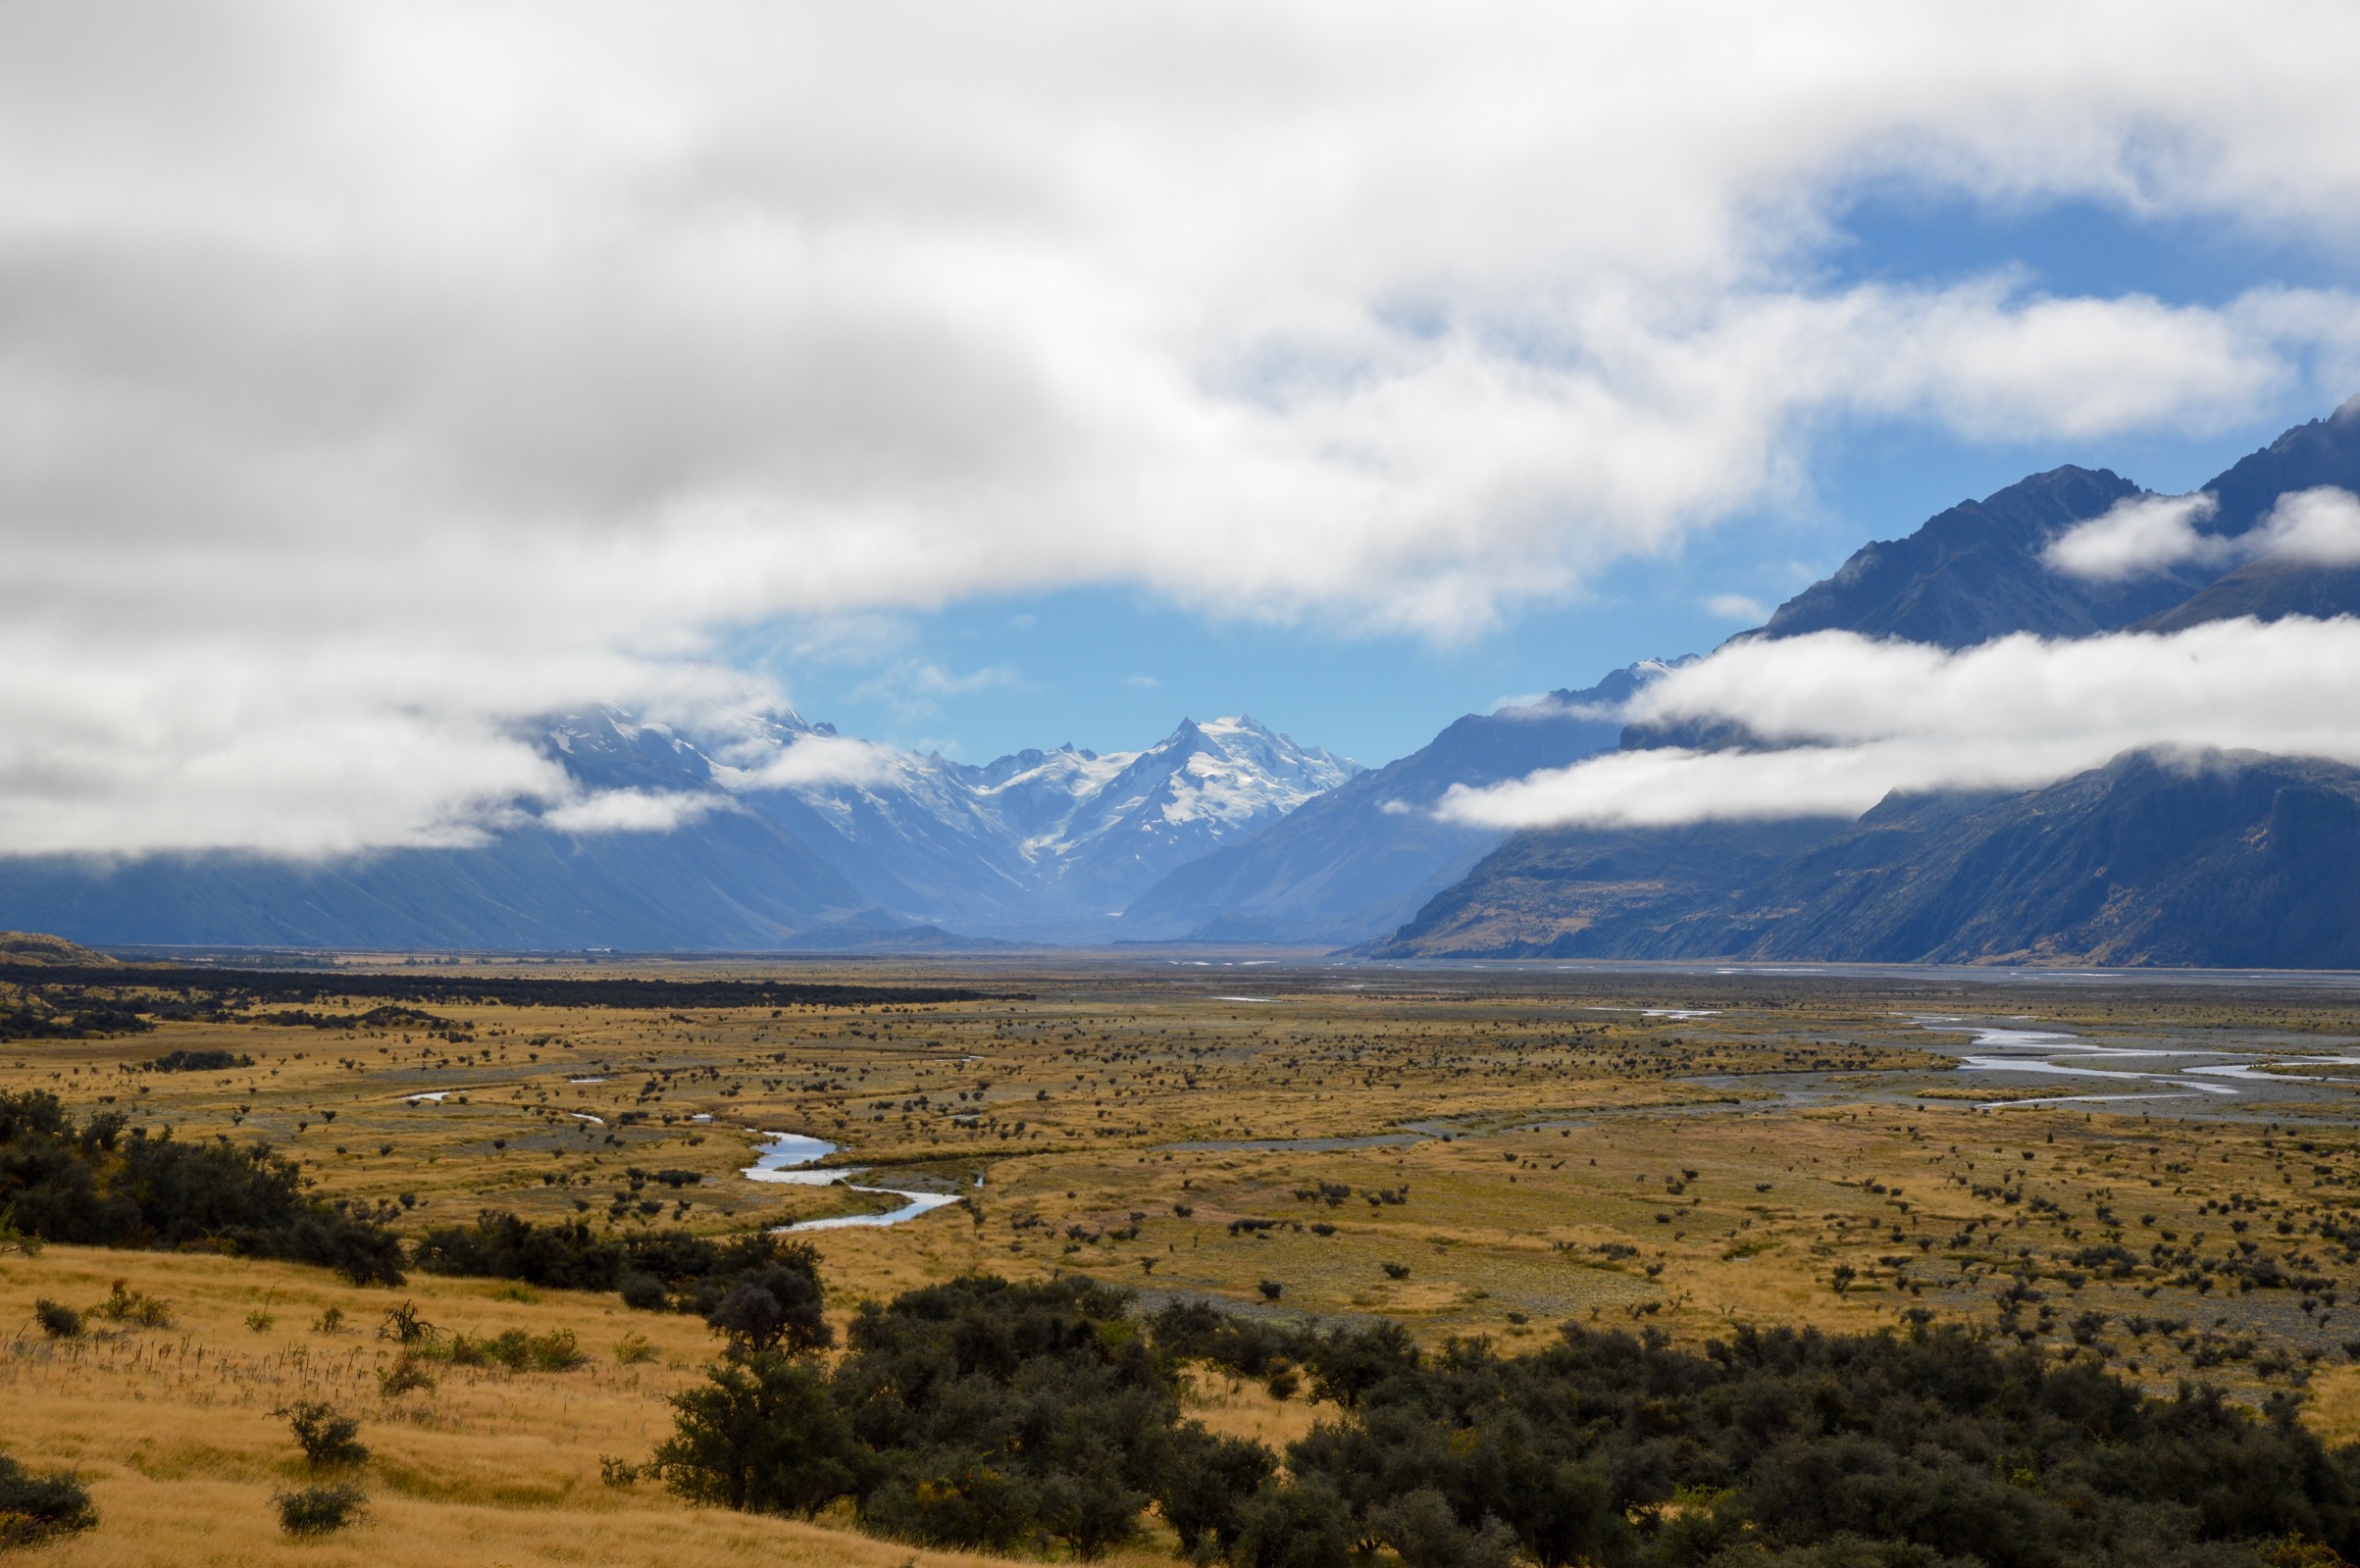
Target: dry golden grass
x: 1563, y: 1153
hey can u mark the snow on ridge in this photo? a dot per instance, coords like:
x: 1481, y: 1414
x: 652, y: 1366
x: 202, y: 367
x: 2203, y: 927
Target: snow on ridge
x: 1034, y: 831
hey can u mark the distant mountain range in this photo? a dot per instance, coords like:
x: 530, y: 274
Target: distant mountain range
x: 1050, y: 846
x: 1229, y: 831
x: 1357, y: 861
x: 1039, y: 846
x: 2240, y: 860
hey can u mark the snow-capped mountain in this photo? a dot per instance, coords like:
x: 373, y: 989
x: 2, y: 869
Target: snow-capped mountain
x: 1048, y: 845
x: 765, y: 833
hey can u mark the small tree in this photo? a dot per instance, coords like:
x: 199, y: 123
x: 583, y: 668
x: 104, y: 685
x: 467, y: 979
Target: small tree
x: 762, y: 1434
x: 327, y: 1437
x: 34, y: 1508
x: 1302, y: 1524
x: 775, y: 1308
x: 1090, y: 1511
x: 1207, y: 1483
x: 319, y: 1510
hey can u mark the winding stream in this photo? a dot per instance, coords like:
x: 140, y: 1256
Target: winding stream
x: 787, y: 1158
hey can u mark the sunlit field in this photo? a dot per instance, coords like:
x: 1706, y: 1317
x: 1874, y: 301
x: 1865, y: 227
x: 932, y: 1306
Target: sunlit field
x: 1480, y: 1154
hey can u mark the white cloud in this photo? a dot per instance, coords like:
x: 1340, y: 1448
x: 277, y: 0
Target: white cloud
x: 2149, y: 534
x: 2321, y: 526
x: 375, y: 376
x: 810, y: 761
x: 1859, y: 719
x: 2138, y: 536
x: 1737, y: 607
x: 632, y: 811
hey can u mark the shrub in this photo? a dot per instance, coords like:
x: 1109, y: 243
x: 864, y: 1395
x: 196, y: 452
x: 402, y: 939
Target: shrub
x: 761, y: 1434
x: 995, y: 1409
x: 1425, y: 1533
x: 199, y: 1062
x: 57, y: 1319
x: 320, y: 1510
x: 34, y: 1508
x: 1203, y: 1487
x: 403, y: 1326
x: 104, y: 1182
x: 405, y: 1373
x: 126, y: 1305
x: 514, y: 1349
x: 776, y: 1307
x: 644, y: 1292
x: 633, y: 1348
x: 1300, y: 1525
x: 328, y: 1438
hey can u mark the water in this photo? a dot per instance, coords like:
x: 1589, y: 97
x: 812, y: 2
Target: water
x: 2219, y: 1066
x: 786, y: 1159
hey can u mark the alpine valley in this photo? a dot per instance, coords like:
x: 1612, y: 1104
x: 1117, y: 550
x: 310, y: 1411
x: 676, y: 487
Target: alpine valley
x: 778, y: 835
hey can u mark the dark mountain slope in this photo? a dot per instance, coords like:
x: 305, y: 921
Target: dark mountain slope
x: 2233, y: 860
x: 2325, y: 451
x: 1357, y: 860
x: 1579, y: 892
x: 1974, y: 573
x: 2268, y: 590
x: 2225, y: 860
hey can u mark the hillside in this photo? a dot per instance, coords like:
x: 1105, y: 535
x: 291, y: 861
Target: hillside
x: 2238, y: 860
x: 33, y: 948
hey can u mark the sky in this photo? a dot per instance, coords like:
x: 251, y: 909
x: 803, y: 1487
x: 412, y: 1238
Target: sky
x: 377, y: 378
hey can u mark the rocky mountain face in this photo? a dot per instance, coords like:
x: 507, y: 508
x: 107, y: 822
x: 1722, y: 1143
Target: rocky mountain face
x: 2224, y: 860
x: 1053, y: 846
x: 1974, y: 573
x: 2233, y: 860
x: 1359, y: 860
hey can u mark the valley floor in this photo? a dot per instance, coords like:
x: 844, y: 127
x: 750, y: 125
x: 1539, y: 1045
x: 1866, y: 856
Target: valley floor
x: 1467, y: 1153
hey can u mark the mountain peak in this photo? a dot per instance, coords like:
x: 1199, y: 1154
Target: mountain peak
x: 1975, y: 572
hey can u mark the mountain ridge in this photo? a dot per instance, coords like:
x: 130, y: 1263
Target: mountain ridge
x: 2201, y: 860
x: 1359, y: 860
x: 1957, y: 878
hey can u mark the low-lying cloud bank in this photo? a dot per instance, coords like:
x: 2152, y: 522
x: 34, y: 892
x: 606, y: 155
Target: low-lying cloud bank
x: 1854, y: 720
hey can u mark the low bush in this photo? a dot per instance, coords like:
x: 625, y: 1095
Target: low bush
x: 985, y: 1415
x: 320, y: 1510
x: 104, y: 1182
x: 514, y: 1348
x: 126, y: 1305
x: 328, y: 1438
x: 667, y: 1269
x: 197, y: 1062
x: 57, y: 1319
x: 407, y: 1373
x: 34, y: 1508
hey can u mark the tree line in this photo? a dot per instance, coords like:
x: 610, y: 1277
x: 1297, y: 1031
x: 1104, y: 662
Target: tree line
x: 988, y: 1415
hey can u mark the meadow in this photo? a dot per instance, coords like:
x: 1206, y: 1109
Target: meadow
x: 1468, y: 1153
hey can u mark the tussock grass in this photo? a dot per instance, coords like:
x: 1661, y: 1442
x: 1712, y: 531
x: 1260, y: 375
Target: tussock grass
x: 1565, y: 1156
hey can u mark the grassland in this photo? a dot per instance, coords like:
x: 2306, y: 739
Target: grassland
x: 1468, y: 1153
